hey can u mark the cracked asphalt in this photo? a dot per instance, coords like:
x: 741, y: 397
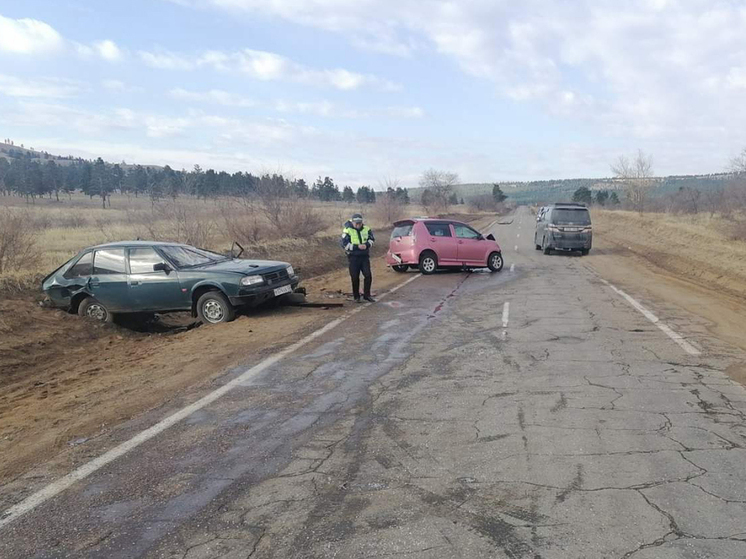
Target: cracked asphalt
x: 421, y: 427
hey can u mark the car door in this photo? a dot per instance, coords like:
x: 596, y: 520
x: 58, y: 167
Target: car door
x: 541, y: 226
x: 154, y: 290
x: 442, y: 242
x: 471, y: 245
x: 108, y: 282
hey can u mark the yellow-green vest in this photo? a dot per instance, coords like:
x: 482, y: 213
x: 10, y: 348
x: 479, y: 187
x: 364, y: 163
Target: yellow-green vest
x: 357, y: 237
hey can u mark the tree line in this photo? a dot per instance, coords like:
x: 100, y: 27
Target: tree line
x: 34, y: 179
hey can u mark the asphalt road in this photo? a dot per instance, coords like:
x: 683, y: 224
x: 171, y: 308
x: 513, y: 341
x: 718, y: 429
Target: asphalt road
x: 533, y: 413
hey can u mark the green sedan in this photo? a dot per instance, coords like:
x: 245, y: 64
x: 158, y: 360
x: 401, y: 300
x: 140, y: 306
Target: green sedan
x: 148, y: 277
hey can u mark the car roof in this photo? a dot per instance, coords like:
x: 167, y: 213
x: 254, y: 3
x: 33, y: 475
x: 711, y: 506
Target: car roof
x: 572, y: 205
x: 428, y: 219
x: 121, y: 244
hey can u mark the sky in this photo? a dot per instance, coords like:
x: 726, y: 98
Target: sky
x: 365, y: 91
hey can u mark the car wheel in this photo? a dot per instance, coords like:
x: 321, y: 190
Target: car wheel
x: 585, y: 251
x: 428, y: 263
x: 538, y: 246
x: 401, y: 268
x: 93, y: 309
x: 495, y: 262
x: 213, y: 308
x: 547, y: 248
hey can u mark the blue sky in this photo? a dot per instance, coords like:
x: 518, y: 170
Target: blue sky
x: 364, y: 90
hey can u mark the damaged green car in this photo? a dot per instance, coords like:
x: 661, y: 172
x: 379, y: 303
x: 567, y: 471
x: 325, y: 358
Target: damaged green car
x: 148, y: 277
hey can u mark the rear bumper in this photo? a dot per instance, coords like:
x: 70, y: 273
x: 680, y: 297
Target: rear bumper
x: 404, y: 258
x: 565, y: 241
x: 248, y: 297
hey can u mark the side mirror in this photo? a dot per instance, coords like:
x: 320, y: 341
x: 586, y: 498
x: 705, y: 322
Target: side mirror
x: 481, y: 237
x: 161, y: 267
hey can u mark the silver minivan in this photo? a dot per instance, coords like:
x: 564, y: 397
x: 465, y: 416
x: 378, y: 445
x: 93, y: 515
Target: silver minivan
x: 565, y: 227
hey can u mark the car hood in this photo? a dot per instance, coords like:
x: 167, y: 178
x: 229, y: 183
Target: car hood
x: 241, y: 266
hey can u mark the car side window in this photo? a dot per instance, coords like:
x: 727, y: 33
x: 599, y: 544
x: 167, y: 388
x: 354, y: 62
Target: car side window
x: 465, y: 232
x: 438, y: 229
x: 143, y: 259
x: 82, y: 268
x: 108, y: 261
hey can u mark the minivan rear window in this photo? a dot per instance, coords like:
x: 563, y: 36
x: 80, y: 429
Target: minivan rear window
x: 581, y: 216
x: 404, y: 230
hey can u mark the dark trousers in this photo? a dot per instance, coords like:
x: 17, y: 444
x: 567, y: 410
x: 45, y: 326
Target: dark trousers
x: 360, y: 264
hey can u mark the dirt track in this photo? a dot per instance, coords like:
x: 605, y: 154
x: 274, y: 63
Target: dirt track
x: 56, y: 390
x: 64, y: 381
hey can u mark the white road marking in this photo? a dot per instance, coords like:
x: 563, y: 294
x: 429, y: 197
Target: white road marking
x: 516, y: 248
x: 57, y: 487
x: 512, y: 267
x: 675, y: 336
x: 506, y: 314
x: 518, y: 235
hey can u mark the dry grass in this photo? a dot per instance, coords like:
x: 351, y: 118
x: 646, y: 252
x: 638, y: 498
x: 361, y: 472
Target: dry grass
x: 698, y: 247
x: 302, y: 228
x: 18, y: 235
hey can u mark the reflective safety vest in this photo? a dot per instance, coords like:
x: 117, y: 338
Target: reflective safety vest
x: 357, y: 237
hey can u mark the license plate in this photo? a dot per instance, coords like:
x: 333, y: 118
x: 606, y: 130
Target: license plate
x: 282, y: 290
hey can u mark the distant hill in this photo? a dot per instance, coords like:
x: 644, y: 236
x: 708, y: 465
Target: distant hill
x: 548, y: 191
x: 10, y: 151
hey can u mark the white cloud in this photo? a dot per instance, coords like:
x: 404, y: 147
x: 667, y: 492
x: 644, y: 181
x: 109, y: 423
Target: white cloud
x: 52, y: 88
x: 105, y: 50
x: 646, y: 69
x: 266, y: 66
x: 165, y: 60
x: 28, y: 36
x: 216, y: 96
x: 108, y: 50
x: 321, y: 108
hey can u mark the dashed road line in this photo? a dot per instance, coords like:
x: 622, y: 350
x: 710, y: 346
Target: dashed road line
x: 675, y: 336
x: 506, y: 314
x: 79, y: 474
x: 512, y: 267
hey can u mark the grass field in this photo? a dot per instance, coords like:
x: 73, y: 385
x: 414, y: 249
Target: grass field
x: 306, y: 234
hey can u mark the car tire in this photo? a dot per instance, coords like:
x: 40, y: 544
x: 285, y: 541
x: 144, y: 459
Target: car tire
x: 93, y: 309
x: 546, y: 247
x: 428, y: 263
x: 495, y: 262
x: 585, y: 251
x: 538, y: 247
x: 213, y: 308
x: 402, y: 268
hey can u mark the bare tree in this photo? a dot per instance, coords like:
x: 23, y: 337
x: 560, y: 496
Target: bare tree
x: 637, y: 176
x: 440, y: 186
x: 389, y: 206
x: 738, y: 163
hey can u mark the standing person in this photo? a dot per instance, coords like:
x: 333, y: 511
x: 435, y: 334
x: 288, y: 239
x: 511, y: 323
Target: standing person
x: 357, y: 239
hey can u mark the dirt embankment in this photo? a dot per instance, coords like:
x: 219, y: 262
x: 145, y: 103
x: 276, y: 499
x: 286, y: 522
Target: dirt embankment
x: 64, y: 381
x: 689, y: 262
x: 699, y: 250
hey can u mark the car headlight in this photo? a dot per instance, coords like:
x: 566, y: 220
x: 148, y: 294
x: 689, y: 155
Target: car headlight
x: 290, y: 270
x: 251, y: 280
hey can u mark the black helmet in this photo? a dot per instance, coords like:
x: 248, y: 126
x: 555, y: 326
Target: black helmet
x: 356, y: 218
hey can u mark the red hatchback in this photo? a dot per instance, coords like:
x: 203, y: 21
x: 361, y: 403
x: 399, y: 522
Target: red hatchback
x: 429, y: 244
